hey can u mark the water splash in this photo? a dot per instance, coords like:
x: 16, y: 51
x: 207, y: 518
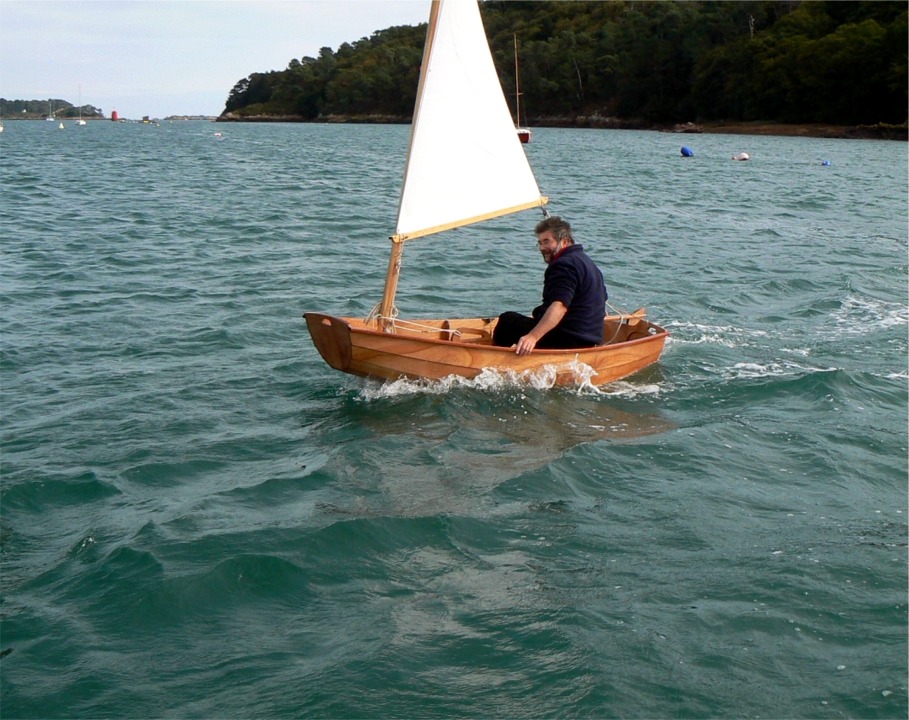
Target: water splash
x: 491, y: 380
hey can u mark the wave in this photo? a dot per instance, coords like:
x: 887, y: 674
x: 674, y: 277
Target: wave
x: 859, y: 316
x: 748, y: 370
x: 804, y: 387
x: 692, y: 333
x: 39, y: 495
x: 852, y: 317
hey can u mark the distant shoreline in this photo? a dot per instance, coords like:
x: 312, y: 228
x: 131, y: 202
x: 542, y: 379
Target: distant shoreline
x: 881, y: 131
x: 95, y: 118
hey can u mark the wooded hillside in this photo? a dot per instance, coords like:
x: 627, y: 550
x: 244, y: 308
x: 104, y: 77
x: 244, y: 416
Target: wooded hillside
x: 56, y: 108
x: 645, y: 61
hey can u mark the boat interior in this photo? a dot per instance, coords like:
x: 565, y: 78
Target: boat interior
x: 478, y: 331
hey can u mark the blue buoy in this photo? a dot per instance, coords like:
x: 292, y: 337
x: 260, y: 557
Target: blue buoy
x: 825, y: 163
x: 687, y: 152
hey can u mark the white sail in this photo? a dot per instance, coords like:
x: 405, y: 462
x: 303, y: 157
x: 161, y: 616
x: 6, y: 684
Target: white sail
x: 465, y: 162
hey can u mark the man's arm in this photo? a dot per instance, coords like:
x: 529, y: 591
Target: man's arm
x: 552, y: 317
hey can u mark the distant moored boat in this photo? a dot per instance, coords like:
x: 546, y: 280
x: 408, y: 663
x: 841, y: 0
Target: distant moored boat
x: 523, y: 132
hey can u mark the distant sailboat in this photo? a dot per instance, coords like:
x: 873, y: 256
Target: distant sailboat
x: 523, y: 132
x: 80, y: 121
x: 50, y: 111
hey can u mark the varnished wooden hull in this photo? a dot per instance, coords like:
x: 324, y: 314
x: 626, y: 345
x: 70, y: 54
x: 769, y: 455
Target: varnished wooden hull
x: 422, y: 349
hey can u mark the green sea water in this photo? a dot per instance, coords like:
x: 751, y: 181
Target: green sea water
x: 200, y: 519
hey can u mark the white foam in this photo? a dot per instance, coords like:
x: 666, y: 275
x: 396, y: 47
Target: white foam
x: 858, y: 316
x: 690, y: 333
x: 803, y: 352
x: 622, y: 388
x: 749, y: 370
x: 376, y: 390
x: 491, y: 380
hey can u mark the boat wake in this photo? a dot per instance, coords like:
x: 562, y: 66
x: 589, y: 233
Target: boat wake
x: 859, y: 316
x: 752, y: 370
x: 691, y: 333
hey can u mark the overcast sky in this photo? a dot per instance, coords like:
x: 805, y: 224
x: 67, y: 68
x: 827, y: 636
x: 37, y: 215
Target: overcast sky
x: 171, y: 57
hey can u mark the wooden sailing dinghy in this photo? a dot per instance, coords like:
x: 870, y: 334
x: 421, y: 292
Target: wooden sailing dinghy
x: 452, y: 179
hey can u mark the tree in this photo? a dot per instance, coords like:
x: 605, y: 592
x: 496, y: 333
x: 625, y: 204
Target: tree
x: 658, y: 61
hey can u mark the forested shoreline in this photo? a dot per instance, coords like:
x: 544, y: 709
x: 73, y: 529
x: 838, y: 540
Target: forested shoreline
x: 53, y: 108
x: 630, y: 63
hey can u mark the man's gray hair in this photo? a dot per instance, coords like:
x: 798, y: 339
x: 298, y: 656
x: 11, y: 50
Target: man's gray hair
x: 560, y: 229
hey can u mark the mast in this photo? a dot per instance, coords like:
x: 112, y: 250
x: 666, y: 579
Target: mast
x: 517, y: 85
x: 386, y: 321
x: 386, y: 308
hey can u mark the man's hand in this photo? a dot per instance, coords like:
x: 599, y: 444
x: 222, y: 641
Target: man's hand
x: 552, y: 317
x: 525, y: 345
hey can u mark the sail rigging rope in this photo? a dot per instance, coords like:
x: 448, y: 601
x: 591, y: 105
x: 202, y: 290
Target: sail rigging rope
x: 374, y: 314
x: 393, y: 321
x: 623, y: 316
x: 618, y: 311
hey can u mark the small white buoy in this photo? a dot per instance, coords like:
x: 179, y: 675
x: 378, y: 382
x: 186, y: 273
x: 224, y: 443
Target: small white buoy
x: 741, y: 156
x: 61, y: 126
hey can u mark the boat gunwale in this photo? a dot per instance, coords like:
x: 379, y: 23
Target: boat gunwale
x: 557, y: 352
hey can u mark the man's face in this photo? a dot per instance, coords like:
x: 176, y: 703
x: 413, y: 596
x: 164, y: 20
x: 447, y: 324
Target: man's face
x: 548, y: 245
